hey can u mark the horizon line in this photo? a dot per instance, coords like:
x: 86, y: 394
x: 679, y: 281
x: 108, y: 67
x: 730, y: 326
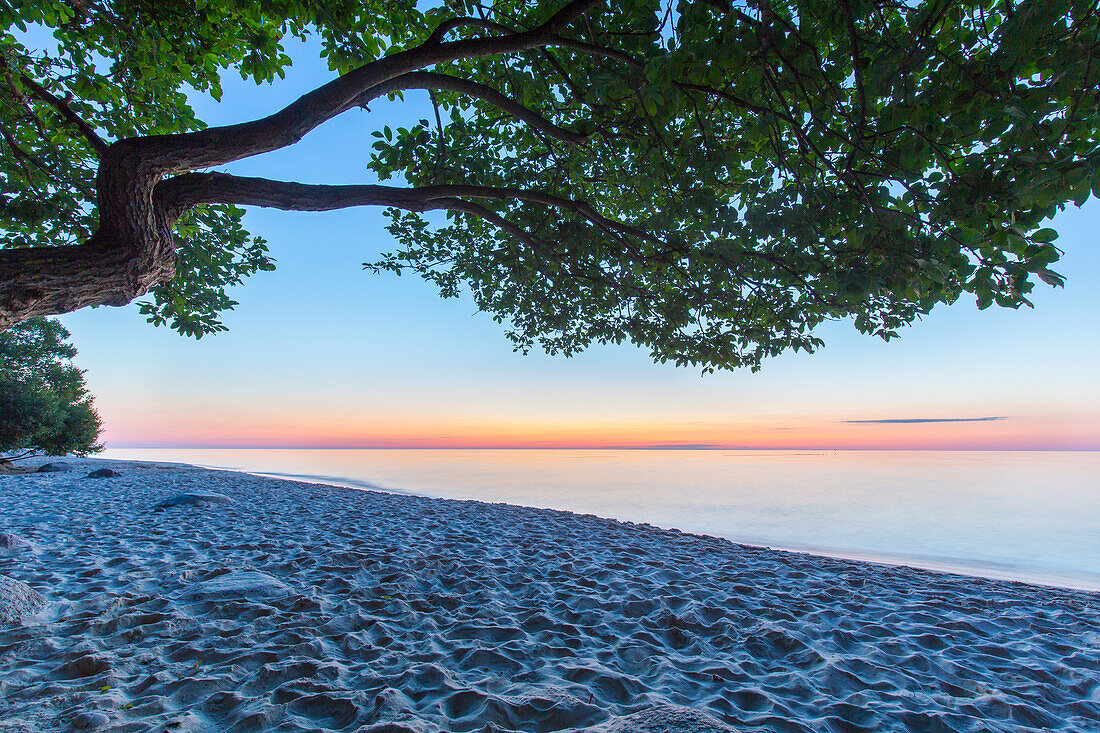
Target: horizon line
x: 690, y: 447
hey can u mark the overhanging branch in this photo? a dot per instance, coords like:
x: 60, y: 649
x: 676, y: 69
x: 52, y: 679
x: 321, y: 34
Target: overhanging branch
x: 191, y: 189
x: 133, y: 247
x: 220, y: 145
x: 433, y: 81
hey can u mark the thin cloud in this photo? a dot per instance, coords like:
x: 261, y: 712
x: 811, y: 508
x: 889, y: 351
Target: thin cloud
x: 672, y: 446
x: 906, y: 420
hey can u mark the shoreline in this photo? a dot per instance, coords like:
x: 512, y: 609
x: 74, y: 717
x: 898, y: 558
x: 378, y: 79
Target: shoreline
x: 298, y: 606
x: 1085, y: 582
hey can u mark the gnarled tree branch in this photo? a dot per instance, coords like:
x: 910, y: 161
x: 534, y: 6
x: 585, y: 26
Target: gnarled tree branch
x: 133, y: 247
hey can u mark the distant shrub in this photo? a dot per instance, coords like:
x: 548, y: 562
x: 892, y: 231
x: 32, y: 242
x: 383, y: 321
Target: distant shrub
x: 45, y: 407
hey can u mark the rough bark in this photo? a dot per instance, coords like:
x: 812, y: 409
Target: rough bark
x: 130, y: 251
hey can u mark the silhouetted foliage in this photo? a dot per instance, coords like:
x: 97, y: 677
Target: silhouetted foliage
x: 45, y: 407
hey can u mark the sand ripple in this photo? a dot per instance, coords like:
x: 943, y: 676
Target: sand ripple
x: 301, y: 607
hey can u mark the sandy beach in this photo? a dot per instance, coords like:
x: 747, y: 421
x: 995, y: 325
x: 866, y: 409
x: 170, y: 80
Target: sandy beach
x: 173, y: 598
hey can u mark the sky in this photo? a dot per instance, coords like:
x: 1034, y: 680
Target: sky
x: 320, y: 353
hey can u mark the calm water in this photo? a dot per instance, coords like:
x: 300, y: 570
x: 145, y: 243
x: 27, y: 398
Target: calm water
x: 1019, y: 515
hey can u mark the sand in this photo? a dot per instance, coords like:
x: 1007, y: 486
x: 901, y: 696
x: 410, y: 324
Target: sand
x: 279, y: 605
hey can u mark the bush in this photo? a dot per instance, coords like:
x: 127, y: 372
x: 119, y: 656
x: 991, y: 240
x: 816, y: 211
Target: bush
x: 45, y: 407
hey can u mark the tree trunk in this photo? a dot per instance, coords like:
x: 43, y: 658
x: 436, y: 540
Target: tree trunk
x: 130, y: 252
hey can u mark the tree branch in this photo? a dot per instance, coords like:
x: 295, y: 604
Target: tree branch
x: 447, y: 26
x: 66, y: 112
x: 593, y: 49
x: 191, y: 189
x: 133, y: 247
x: 25, y: 454
x: 503, y: 193
x: 492, y: 217
x: 433, y: 81
x: 168, y: 154
x: 857, y: 60
x: 22, y: 157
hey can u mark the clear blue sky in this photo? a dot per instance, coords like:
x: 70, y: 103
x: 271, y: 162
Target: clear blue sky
x: 321, y: 353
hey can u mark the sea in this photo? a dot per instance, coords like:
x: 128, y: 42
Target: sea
x: 1028, y: 516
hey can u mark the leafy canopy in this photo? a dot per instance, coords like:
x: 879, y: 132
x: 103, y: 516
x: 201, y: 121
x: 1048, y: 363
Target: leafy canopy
x: 45, y: 407
x: 733, y: 174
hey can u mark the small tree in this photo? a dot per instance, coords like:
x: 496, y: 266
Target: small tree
x: 45, y: 407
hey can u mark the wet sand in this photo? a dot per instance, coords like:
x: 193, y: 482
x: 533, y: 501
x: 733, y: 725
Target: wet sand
x: 278, y: 605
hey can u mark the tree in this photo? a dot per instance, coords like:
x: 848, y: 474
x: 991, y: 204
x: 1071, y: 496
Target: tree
x: 710, y: 180
x: 44, y: 405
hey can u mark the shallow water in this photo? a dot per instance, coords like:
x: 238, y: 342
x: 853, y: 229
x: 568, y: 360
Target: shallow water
x: 1031, y: 516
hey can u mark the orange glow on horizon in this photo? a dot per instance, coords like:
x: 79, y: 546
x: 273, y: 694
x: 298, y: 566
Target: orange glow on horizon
x: 313, y: 431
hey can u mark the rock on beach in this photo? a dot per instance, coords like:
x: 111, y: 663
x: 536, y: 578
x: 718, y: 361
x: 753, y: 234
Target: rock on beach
x: 194, y: 497
x: 237, y: 584
x: 8, y: 541
x: 90, y: 720
x: 18, y: 601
